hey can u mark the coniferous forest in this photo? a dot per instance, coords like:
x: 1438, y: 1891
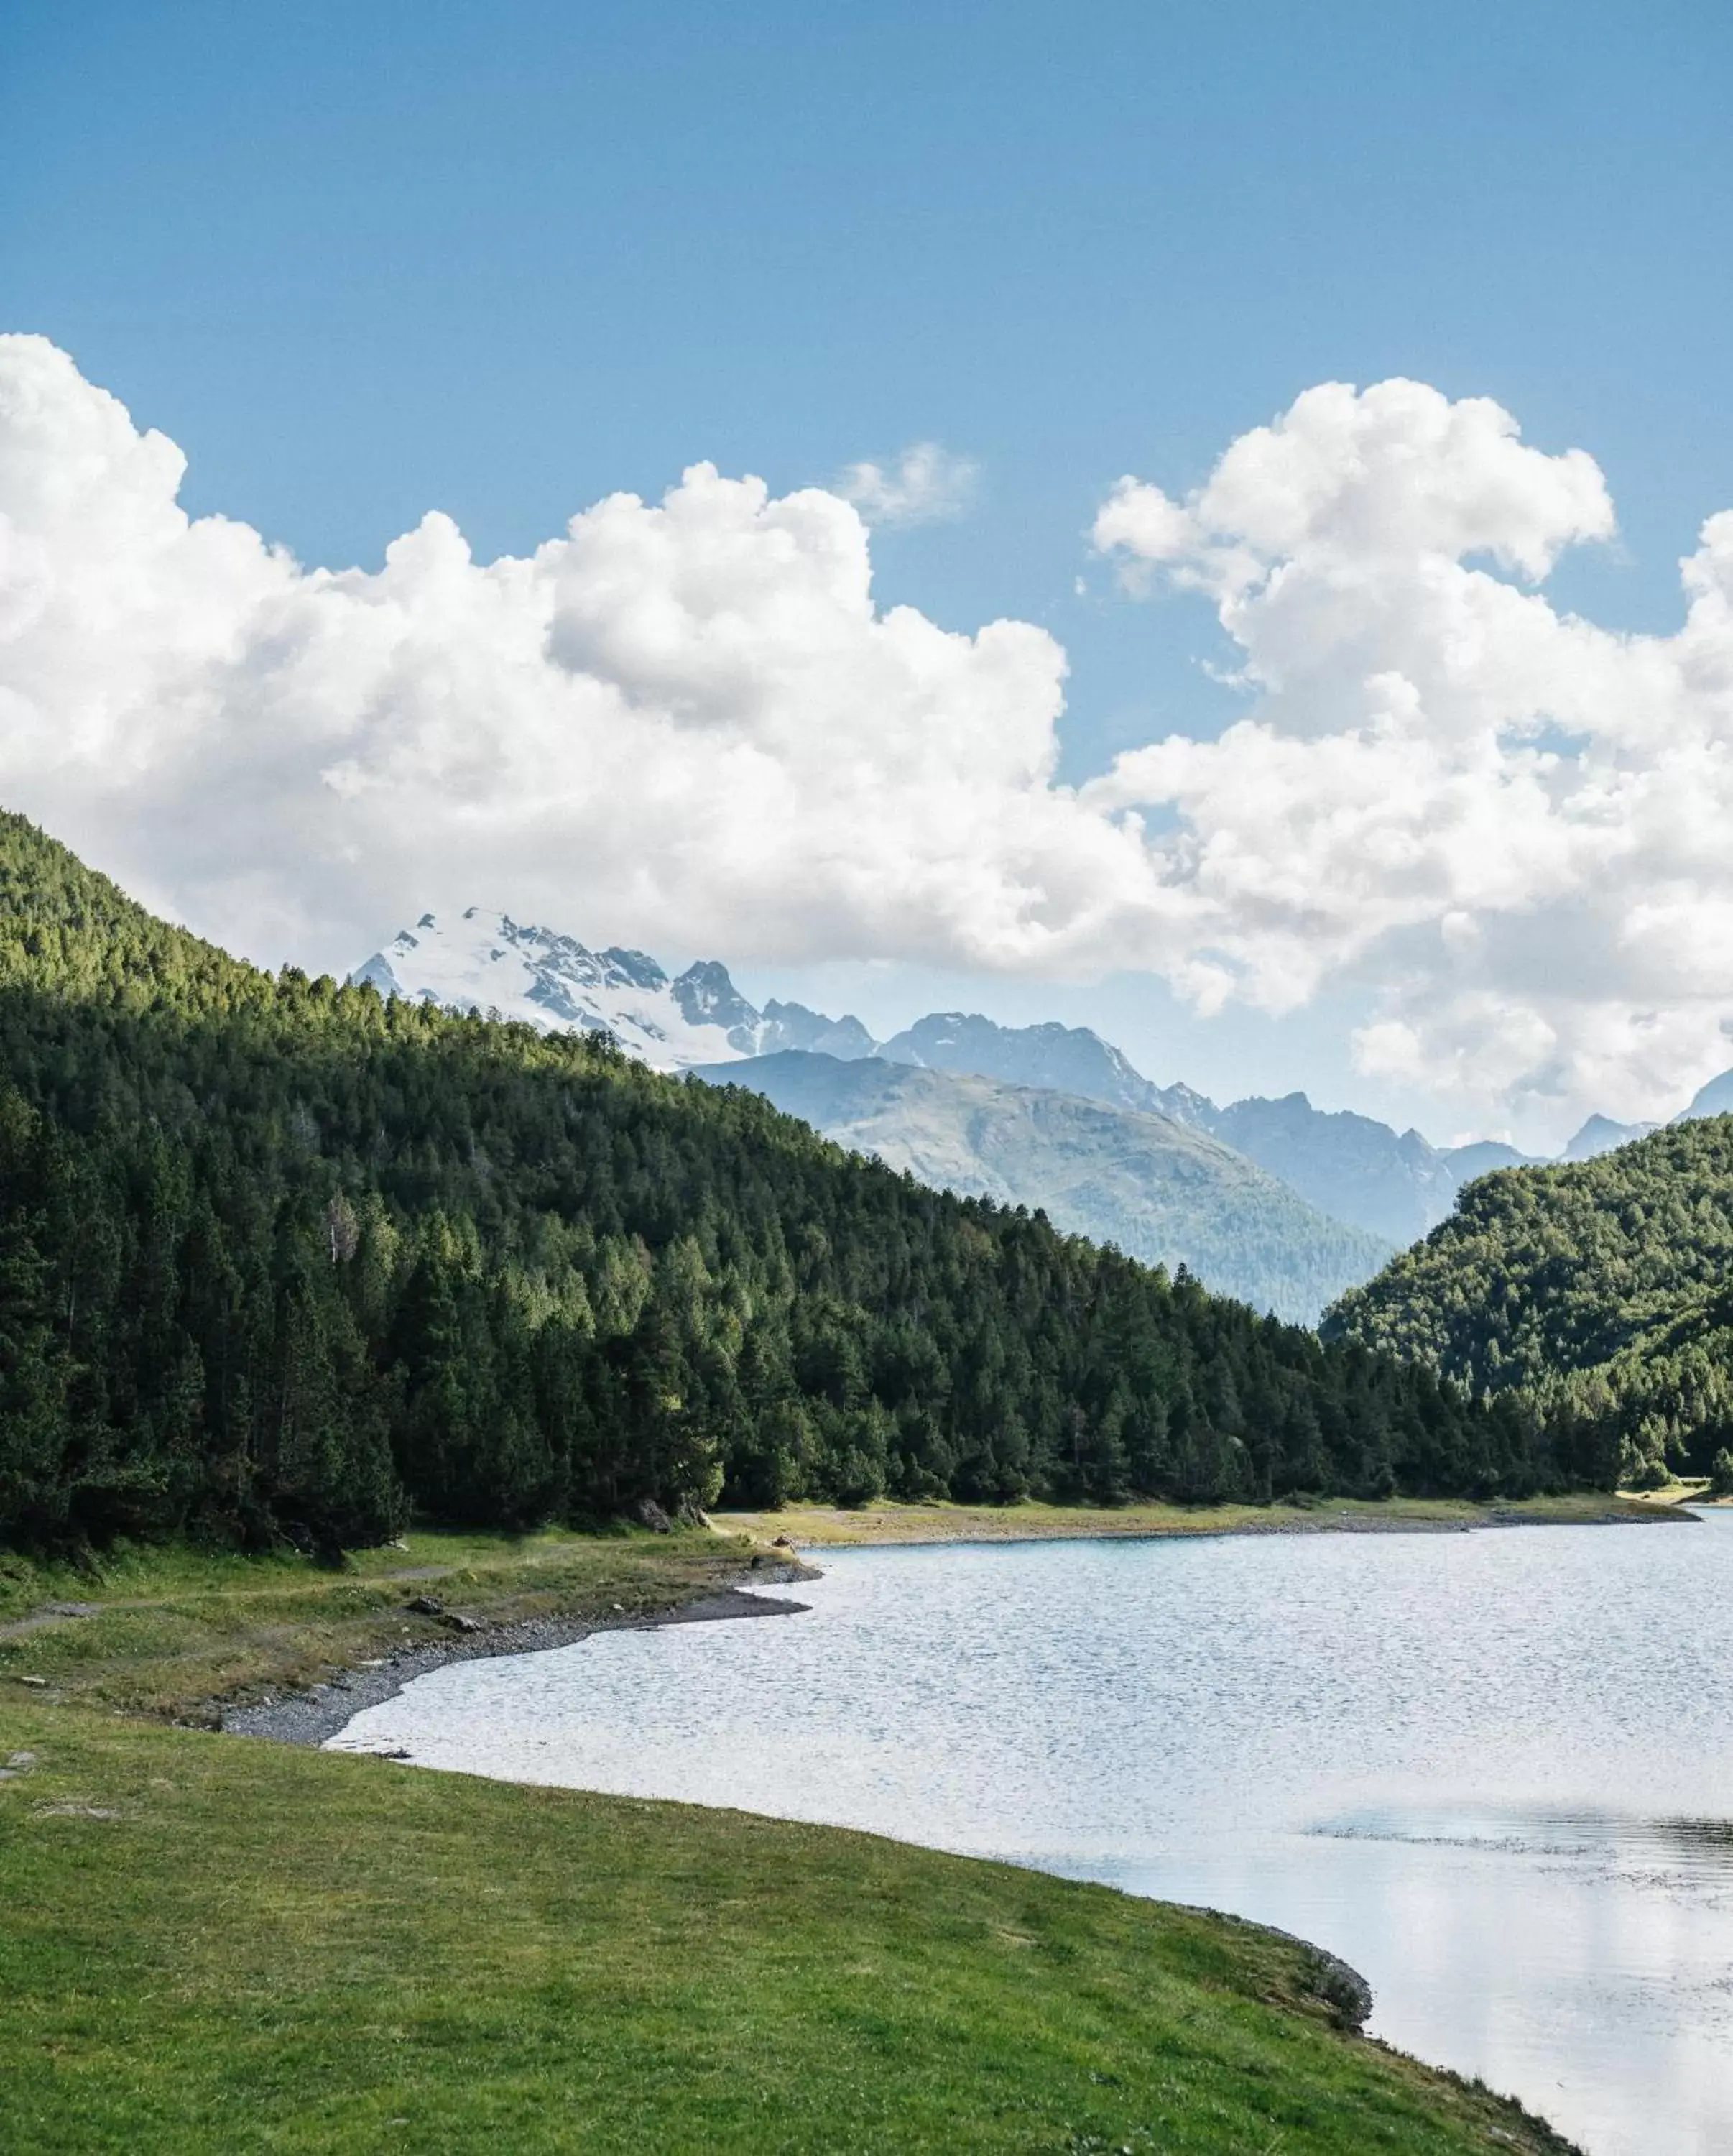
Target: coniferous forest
x: 279, y: 1260
x: 1597, y: 1292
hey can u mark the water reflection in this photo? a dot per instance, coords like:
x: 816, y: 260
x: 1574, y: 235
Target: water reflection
x: 1701, y: 1850
x: 1495, y: 1771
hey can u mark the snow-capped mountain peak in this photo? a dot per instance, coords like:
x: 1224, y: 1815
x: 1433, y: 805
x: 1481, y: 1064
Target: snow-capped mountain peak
x: 484, y: 961
x: 706, y: 997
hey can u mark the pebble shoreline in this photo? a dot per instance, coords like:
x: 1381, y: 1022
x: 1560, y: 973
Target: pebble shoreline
x: 312, y: 1717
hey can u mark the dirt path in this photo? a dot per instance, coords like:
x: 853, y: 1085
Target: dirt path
x: 51, y: 1613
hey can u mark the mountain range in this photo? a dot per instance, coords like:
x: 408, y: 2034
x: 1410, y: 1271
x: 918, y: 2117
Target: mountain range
x: 1161, y: 1190
x: 1142, y: 1181
x: 485, y: 962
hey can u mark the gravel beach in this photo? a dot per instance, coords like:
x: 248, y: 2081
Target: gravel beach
x: 311, y: 1717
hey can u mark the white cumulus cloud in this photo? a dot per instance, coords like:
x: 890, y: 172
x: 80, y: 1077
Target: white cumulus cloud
x: 686, y: 722
x: 926, y: 484
x: 1510, y: 823
x: 681, y: 722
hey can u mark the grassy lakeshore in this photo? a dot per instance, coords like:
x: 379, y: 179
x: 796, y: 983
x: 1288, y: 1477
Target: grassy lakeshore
x: 815, y: 1526
x: 211, y: 1944
x: 177, y: 1634
x: 1682, y: 1490
x: 216, y: 1945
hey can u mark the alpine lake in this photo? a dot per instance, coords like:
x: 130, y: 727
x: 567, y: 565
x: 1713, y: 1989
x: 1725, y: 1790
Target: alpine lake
x: 1493, y: 1770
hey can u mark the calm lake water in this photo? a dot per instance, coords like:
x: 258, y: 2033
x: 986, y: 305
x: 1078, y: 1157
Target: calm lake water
x: 1493, y: 1771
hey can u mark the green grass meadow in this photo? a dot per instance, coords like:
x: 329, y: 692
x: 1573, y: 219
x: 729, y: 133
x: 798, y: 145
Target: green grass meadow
x: 220, y: 1944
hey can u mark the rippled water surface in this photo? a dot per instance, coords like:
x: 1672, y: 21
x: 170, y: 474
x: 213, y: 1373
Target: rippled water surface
x: 1495, y: 1771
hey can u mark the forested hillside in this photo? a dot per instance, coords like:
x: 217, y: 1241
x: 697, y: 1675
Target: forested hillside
x: 1601, y: 1293
x: 277, y: 1257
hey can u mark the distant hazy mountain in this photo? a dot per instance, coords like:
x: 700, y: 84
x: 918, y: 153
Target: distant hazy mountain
x: 1356, y: 1170
x: 1062, y: 1059
x: 484, y: 961
x: 1601, y: 1134
x: 1482, y: 1158
x: 792, y: 1025
x: 1163, y: 1190
x: 1715, y: 1098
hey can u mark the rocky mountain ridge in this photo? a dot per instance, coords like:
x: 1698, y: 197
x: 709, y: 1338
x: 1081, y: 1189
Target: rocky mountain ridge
x: 484, y: 961
x: 1393, y: 1185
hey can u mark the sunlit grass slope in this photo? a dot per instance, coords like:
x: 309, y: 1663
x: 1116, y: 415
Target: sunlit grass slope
x: 834, y: 1526
x: 210, y: 1943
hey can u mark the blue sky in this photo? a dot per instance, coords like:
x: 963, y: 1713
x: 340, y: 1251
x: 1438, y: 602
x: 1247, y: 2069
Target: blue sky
x: 366, y: 260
